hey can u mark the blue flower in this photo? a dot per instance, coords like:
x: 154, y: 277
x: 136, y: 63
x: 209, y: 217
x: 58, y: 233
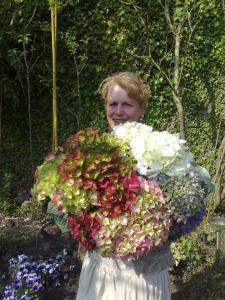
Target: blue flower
x: 29, y: 279
x: 38, y: 287
x: 22, y: 258
x: 59, y: 258
x: 50, y: 261
x: 9, y: 293
x: 34, y: 266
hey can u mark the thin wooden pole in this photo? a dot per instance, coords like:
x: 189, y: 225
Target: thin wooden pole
x: 1, y: 103
x: 54, y: 84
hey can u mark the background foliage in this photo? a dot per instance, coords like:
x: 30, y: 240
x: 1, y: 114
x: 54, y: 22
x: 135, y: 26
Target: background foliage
x: 176, y: 46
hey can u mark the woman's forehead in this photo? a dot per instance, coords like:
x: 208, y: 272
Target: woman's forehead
x: 115, y: 87
x: 118, y: 93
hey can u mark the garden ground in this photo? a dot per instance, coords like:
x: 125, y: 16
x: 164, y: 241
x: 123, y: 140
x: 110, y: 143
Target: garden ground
x: 24, y: 235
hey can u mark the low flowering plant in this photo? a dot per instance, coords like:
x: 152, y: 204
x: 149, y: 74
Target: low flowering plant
x: 28, y: 280
x: 123, y: 193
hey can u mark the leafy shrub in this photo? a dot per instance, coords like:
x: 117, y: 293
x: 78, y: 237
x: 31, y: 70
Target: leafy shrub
x: 186, y: 250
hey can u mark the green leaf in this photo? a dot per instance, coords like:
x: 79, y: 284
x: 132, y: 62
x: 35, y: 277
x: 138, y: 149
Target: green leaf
x: 60, y: 219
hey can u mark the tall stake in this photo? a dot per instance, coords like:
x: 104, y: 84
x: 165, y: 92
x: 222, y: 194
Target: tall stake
x: 1, y: 103
x: 54, y: 86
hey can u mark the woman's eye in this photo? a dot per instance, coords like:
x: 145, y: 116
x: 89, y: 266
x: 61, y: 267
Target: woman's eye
x: 112, y: 104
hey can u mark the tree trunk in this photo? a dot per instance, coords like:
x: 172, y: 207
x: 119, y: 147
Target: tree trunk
x: 220, y: 168
x: 176, y: 31
x: 176, y: 92
x: 220, y: 159
x: 178, y: 101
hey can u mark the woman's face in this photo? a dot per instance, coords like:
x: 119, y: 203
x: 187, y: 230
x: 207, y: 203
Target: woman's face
x: 120, y: 108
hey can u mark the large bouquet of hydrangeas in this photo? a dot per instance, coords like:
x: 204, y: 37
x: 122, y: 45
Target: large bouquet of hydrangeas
x: 123, y: 193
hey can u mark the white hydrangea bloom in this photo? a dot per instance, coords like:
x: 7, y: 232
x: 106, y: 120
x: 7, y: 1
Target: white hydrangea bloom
x: 130, y: 130
x: 155, y: 152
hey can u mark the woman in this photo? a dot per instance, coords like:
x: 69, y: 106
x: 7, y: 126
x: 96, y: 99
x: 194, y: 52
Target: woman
x: 126, y: 97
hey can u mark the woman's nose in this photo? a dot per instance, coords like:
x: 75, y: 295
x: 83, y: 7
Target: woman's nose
x: 119, y: 109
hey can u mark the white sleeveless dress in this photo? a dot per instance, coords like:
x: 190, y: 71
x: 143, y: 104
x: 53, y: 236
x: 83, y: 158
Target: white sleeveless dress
x: 104, y: 278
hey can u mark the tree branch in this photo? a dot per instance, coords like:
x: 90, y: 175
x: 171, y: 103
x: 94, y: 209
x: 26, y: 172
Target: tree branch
x: 167, y: 16
x: 135, y: 6
x: 32, y: 16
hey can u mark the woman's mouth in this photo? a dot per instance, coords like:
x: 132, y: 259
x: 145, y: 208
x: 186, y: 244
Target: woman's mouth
x: 119, y: 121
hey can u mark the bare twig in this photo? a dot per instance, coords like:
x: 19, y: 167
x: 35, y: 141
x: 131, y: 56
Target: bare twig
x: 131, y: 4
x: 32, y: 16
x: 78, y: 91
x: 74, y: 114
